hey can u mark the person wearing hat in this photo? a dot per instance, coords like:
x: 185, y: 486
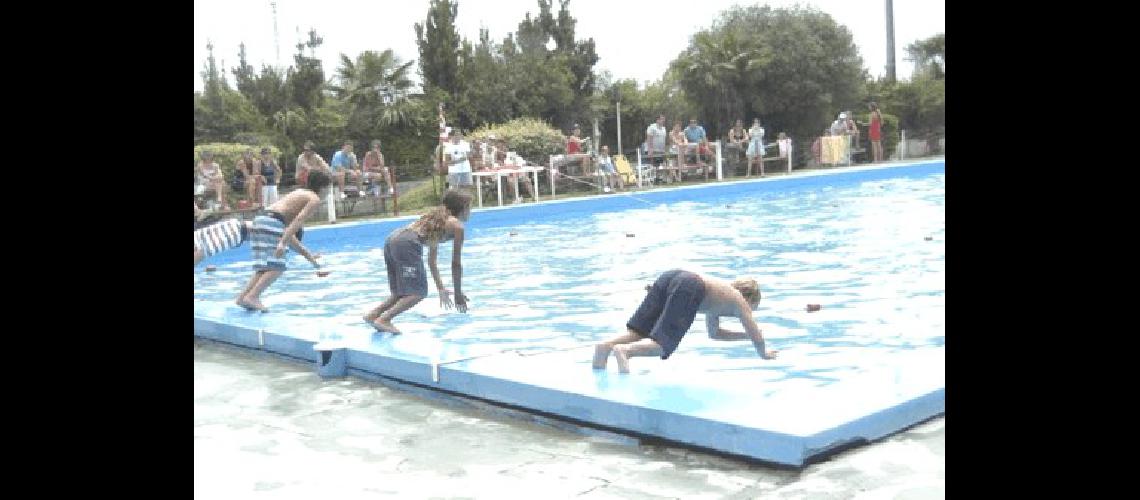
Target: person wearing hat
x: 852, y: 131
x: 839, y: 126
x: 271, y: 172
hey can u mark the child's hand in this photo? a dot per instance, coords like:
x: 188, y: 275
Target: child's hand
x: 770, y: 354
x: 461, y: 303
x: 280, y: 250
x: 445, y: 299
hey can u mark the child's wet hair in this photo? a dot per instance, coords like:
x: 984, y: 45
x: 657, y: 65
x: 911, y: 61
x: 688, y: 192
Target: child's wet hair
x: 749, y: 288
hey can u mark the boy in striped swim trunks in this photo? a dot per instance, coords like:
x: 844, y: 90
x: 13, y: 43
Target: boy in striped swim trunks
x: 273, y: 230
x: 218, y: 237
x: 228, y: 234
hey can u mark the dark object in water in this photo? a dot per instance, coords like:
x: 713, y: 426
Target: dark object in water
x: 629, y: 235
x: 928, y: 238
x: 813, y: 307
x: 211, y: 269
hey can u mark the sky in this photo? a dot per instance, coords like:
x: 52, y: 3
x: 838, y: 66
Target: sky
x: 623, y: 44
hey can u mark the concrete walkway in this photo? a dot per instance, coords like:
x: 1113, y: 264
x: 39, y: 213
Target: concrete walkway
x: 269, y: 428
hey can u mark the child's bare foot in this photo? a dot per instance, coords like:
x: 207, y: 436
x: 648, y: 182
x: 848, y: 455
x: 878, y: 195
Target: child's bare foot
x: 383, y: 325
x: 622, y: 358
x: 244, y: 304
x: 601, y: 355
x: 253, y: 305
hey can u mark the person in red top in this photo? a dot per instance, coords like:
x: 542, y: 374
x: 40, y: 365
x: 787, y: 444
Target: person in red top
x: 876, y: 133
x: 574, y: 151
x: 574, y: 142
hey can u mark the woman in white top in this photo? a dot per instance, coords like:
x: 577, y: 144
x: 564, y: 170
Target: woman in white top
x: 210, y: 178
x: 756, y: 146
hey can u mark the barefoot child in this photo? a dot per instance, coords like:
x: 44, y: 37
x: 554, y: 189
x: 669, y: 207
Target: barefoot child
x: 215, y: 237
x: 218, y: 237
x: 275, y: 229
x: 668, y: 310
x: 403, y: 256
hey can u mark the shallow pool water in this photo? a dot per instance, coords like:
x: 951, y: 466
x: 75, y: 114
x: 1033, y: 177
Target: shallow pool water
x: 870, y: 252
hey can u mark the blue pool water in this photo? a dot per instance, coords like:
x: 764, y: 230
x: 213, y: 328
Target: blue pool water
x: 570, y: 275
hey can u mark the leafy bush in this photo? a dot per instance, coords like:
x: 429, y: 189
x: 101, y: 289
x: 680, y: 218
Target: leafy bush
x: 534, y: 139
x: 226, y: 155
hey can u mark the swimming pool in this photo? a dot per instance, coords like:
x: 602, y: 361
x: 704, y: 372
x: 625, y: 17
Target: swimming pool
x: 865, y: 243
x: 857, y: 248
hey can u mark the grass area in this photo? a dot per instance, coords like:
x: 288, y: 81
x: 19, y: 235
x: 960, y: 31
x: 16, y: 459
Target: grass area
x: 415, y: 201
x: 420, y: 198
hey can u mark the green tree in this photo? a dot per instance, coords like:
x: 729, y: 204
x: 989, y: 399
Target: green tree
x: 720, y: 68
x: 795, y: 68
x: 220, y: 113
x: 580, y: 60
x: 244, y: 76
x: 570, y: 64
x: 928, y: 56
x: 539, y: 87
x: 306, y: 79
x: 224, y: 118
x: 640, y: 107
x: 269, y: 93
x: 211, y: 80
x: 483, y: 103
x: 918, y: 104
x: 438, y: 43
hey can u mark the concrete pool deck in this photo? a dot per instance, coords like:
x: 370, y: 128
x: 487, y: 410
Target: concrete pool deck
x: 812, y: 400
x: 269, y: 428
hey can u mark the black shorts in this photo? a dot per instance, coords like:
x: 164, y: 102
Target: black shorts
x: 669, y: 308
x: 404, y: 258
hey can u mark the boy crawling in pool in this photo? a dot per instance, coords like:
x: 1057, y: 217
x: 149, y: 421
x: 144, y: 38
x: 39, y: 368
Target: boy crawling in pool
x: 668, y: 310
x: 274, y: 229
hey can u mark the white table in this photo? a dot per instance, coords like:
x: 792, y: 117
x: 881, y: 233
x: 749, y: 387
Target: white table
x: 498, y: 174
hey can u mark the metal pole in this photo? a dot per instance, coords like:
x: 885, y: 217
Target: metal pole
x: 890, y: 41
x: 719, y: 159
x: 639, y: 167
x: 790, y: 149
x: 902, y: 150
x: 619, y: 127
x: 394, y: 184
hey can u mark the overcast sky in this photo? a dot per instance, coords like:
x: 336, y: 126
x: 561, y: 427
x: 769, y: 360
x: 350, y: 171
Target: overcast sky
x: 624, y: 45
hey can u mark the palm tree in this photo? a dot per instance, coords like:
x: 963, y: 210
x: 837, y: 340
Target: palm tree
x: 721, y: 68
x: 375, y: 87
